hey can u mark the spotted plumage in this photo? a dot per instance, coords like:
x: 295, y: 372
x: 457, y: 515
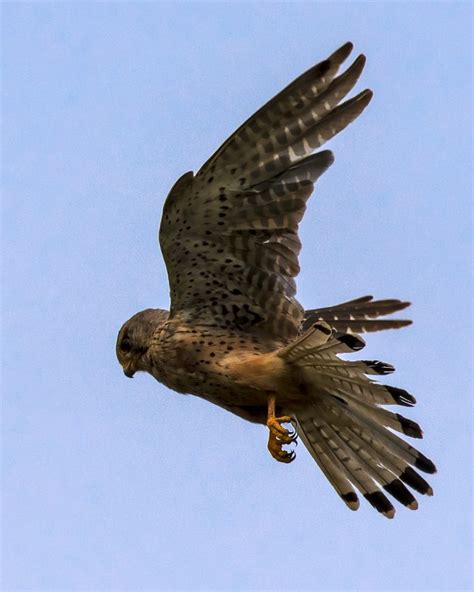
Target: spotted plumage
x: 236, y: 335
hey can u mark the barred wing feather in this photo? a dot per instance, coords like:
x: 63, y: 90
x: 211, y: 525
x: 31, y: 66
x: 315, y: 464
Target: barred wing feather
x: 229, y: 235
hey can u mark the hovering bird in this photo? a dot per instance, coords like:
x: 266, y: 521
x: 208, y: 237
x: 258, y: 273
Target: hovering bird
x: 235, y: 334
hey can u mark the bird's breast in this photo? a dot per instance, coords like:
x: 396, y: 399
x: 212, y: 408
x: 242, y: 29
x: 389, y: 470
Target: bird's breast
x: 224, y: 368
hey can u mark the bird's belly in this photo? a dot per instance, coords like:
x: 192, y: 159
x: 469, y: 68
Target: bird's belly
x: 226, y: 369
x: 213, y: 385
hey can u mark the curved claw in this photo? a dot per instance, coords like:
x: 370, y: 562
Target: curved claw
x: 283, y: 439
x: 289, y: 456
x: 274, y: 424
x: 282, y: 455
x: 277, y: 439
x: 279, y: 435
x: 288, y: 438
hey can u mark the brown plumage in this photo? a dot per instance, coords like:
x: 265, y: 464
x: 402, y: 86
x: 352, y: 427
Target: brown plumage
x: 236, y: 335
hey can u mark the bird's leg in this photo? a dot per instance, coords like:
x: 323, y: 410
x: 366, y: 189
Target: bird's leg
x: 278, y: 434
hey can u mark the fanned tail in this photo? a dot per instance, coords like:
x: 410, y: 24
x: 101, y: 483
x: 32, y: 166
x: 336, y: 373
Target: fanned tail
x: 344, y: 425
x: 358, y: 316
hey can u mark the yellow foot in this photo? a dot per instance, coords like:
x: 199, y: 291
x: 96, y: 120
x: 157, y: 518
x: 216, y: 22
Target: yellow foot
x: 280, y: 436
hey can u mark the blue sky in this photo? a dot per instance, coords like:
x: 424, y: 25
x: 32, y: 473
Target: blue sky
x: 112, y: 484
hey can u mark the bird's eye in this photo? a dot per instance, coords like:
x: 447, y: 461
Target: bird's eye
x: 125, y: 346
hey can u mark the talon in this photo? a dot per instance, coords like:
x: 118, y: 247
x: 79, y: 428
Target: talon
x: 274, y: 423
x: 279, y: 435
x: 278, y: 453
x: 286, y: 438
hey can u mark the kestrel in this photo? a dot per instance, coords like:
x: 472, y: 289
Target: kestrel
x: 236, y: 335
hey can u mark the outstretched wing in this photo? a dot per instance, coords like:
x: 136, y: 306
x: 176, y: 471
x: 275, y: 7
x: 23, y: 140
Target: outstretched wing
x: 229, y: 235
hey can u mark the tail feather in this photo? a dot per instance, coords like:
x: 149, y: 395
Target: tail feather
x: 359, y: 315
x: 364, y: 457
x: 384, y: 455
x: 364, y: 425
x: 345, y: 428
x: 316, y: 351
x: 378, y: 471
x: 355, y: 469
x: 394, y: 463
x: 329, y: 465
x: 386, y: 418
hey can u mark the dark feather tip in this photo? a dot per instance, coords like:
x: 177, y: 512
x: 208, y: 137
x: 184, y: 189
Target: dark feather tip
x: 365, y: 96
x: 351, y: 500
x: 380, y: 503
x: 411, y: 478
x: 342, y: 53
x: 425, y: 464
x: 321, y: 326
x: 401, y: 396
x: 401, y: 494
x: 381, y: 368
x: 409, y: 427
x: 404, y: 304
x: 353, y: 342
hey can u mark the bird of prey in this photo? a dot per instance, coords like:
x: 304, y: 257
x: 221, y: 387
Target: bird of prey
x: 235, y: 334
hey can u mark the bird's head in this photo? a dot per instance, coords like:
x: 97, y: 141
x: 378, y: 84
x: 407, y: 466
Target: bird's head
x: 135, y: 337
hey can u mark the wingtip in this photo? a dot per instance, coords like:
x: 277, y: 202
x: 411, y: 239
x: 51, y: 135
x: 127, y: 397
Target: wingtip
x: 348, y: 46
x: 367, y: 95
x: 328, y: 156
x: 341, y: 53
x: 357, y: 104
x: 361, y: 60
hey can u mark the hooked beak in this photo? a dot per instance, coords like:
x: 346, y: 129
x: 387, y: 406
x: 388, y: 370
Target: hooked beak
x: 129, y: 370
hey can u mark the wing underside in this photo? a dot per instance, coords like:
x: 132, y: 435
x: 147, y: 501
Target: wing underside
x: 229, y: 235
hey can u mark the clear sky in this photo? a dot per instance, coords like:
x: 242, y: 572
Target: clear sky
x: 114, y: 484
